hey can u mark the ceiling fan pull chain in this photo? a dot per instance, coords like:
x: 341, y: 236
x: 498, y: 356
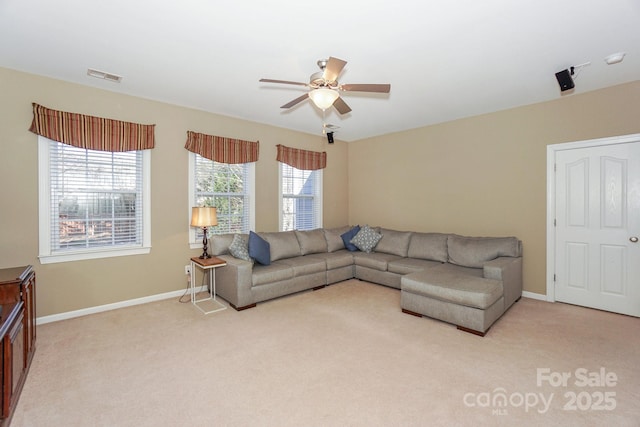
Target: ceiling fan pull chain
x: 324, y: 123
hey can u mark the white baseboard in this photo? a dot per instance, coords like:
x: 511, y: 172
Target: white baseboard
x: 174, y: 294
x: 99, y: 309
x: 532, y: 295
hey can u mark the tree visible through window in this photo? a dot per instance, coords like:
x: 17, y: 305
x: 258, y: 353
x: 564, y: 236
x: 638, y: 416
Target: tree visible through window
x: 227, y: 187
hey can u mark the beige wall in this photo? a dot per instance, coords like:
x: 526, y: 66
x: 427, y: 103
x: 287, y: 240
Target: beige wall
x: 72, y: 286
x: 482, y: 176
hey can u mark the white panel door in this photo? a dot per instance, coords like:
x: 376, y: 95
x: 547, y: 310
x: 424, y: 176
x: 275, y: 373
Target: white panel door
x: 598, y: 226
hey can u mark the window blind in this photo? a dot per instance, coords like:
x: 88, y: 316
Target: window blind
x: 96, y: 198
x: 301, y: 198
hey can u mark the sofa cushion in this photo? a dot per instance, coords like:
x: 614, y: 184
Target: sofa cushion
x: 366, y: 239
x: 458, y: 269
x: 431, y: 246
x: 410, y: 265
x: 475, y: 251
x: 337, y: 259
x: 304, y: 265
x: 347, y: 236
x: 311, y: 242
x: 453, y: 287
x: 239, y: 247
x: 284, y: 244
x: 259, y: 249
x: 275, y: 272
x: 332, y: 236
x: 375, y: 260
x: 394, y: 242
x: 219, y: 244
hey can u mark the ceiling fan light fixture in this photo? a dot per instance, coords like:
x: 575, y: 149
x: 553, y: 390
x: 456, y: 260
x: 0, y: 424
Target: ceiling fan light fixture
x: 323, y: 97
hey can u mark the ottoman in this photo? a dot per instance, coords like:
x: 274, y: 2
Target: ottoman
x: 471, y: 303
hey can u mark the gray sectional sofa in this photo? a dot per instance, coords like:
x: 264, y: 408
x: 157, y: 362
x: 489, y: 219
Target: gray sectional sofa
x: 467, y: 281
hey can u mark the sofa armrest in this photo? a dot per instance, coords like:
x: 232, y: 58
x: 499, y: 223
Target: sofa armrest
x: 509, y: 271
x: 233, y: 281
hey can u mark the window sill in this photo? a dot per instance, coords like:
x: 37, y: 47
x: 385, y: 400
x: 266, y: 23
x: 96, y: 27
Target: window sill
x: 95, y: 254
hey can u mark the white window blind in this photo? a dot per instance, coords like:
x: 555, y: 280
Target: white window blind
x: 95, y: 201
x: 301, y: 198
x: 228, y: 187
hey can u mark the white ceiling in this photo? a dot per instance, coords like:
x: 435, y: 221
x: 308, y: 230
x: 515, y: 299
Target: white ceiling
x: 444, y: 59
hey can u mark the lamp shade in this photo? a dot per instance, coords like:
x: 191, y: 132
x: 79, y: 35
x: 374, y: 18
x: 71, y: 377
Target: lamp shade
x: 323, y: 97
x: 203, y: 216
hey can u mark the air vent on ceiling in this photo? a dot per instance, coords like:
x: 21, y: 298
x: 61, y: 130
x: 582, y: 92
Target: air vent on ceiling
x: 103, y: 75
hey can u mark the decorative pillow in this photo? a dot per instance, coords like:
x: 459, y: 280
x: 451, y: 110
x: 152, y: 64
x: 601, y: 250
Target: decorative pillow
x: 366, y: 239
x: 259, y: 249
x: 346, y: 238
x: 311, y: 241
x: 239, y: 247
x: 332, y: 236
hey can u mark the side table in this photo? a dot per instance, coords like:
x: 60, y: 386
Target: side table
x: 207, y: 265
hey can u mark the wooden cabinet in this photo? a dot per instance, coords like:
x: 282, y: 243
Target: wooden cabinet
x: 28, y: 291
x: 17, y: 334
x: 13, y: 359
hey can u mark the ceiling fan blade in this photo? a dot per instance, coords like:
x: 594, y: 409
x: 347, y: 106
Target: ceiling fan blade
x: 341, y: 106
x: 381, y: 88
x: 286, y: 82
x: 333, y: 69
x: 296, y: 101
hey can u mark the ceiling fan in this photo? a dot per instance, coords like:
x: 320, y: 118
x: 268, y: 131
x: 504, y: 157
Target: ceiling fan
x: 324, y: 86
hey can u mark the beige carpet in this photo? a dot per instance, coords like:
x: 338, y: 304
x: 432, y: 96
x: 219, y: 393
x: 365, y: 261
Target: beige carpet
x: 341, y: 356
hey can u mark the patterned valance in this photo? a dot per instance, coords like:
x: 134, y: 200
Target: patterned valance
x: 301, y: 159
x: 222, y: 150
x: 93, y: 133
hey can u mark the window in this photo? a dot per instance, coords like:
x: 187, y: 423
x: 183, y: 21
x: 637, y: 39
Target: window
x: 300, y: 198
x: 228, y: 187
x: 93, y: 204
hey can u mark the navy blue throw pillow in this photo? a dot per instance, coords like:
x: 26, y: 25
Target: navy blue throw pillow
x: 259, y: 249
x: 346, y: 238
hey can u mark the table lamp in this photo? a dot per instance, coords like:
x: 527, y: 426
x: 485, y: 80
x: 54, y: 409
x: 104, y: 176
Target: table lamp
x: 204, y: 217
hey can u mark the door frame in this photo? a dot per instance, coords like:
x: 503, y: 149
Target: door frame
x: 551, y: 195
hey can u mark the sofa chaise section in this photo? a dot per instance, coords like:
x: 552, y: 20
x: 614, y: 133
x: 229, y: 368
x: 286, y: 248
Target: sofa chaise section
x: 482, y: 279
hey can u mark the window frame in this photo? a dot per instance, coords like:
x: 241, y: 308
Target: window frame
x: 317, y: 198
x: 45, y: 251
x: 195, y: 242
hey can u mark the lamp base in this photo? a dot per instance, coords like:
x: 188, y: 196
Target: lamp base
x: 205, y: 241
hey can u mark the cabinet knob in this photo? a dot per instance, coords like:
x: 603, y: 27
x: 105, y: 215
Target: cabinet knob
x: 633, y: 239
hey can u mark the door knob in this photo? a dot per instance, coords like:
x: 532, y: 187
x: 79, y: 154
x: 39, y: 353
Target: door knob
x: 633, y: 239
